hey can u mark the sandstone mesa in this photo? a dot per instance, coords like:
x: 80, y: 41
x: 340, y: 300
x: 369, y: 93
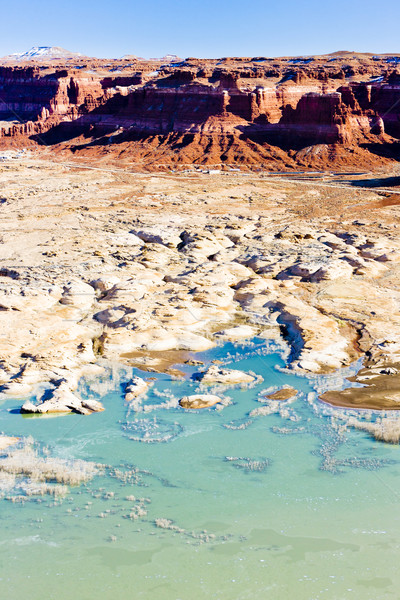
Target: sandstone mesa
x: 284, y: 113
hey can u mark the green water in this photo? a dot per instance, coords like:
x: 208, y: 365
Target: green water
x: 312, y: 523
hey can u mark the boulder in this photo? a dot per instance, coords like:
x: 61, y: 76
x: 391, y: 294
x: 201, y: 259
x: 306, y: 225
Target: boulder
x: 78, y: 294
x: 284, y: 393
x: 215, y: 374
x: 62, y: 400
x: 136, y: 387
x: 199, y: 401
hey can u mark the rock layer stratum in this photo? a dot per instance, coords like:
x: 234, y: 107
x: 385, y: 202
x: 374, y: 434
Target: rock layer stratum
x: 339, y: 110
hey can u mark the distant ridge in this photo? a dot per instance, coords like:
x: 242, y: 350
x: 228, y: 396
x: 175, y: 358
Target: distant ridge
x: 171, y: 58
x: 43, y: 53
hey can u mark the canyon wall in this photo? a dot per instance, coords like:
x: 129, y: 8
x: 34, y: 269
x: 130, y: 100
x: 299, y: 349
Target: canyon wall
x: 282, y: 107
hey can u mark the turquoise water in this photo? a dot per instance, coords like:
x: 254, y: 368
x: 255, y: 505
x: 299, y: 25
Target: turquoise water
x: 277, y: 506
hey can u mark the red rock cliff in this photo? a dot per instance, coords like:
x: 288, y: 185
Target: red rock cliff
x: 237, y: 107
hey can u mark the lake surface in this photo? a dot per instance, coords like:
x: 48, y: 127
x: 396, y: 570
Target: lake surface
x: 225, y: 506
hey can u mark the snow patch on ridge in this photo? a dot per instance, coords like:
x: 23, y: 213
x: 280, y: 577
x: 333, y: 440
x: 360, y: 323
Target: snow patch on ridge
x: 48, y: 52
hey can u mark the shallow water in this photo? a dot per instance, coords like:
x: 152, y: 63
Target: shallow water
x: 267, y: 507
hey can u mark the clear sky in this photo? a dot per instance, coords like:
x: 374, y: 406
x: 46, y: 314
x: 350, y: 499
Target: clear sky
x: 204, y: 28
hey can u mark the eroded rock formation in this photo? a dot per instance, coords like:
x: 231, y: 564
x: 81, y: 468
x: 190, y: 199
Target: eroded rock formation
x: 274, y: 113
x: 109, y: 267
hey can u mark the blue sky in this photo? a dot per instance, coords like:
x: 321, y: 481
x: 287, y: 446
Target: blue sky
x: 206, y: 28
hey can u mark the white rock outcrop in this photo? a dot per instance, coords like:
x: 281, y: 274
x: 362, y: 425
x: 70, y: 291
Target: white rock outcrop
x: 197, y: 401
x: 216, y: 374
x: 62, y: 400
x: 135, y: 387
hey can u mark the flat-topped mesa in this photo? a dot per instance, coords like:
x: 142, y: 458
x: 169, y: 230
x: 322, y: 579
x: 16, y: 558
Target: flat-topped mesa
x: 247, y: 111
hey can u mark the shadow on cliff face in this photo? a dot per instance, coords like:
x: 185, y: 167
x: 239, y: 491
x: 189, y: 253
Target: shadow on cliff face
x: 272, y: 135
x: 387, y: 150
x: 187, y: 148
x: 63, y: 132
x: 175, y: 141
x: 90, y: 124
